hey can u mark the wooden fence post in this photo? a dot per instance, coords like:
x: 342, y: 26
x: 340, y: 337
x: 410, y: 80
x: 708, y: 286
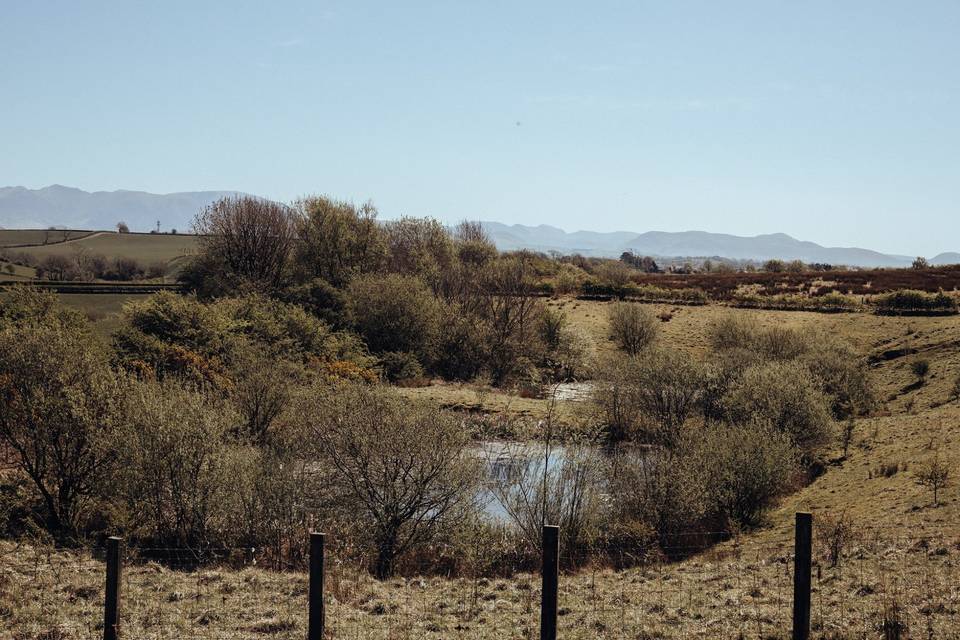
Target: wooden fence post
x: 803, y: 543
x: 111, y: 601
x: 317, y: 612
x: 550, y: 574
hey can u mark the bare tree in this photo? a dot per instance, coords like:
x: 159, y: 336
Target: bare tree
x: 401, y: 469
x: 934, y: 474
x: 249, y: 240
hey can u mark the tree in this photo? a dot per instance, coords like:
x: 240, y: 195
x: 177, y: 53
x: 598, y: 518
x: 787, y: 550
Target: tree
x: 59, y: 404
x: 632, y: 326
x: 246, y: 241
x: 337, y: 240
x: 402, y: 470
x: 122, y: 227
x: 667, y: 386
x: 935, y: 474
x: 920, y: 263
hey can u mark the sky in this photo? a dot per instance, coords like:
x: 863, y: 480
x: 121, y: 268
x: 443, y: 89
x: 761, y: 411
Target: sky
x: 837, y: 122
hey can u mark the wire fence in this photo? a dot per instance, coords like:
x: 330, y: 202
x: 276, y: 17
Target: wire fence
x: 884, y: 583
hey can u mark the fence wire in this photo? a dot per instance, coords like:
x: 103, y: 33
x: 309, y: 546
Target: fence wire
x: 884, y: 584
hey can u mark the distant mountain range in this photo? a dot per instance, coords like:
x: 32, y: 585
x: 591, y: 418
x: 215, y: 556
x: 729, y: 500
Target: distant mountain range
x: 694, y: 244
x: 67, y: 207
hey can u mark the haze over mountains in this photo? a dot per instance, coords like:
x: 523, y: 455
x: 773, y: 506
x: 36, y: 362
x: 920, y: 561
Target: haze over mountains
x: 67, y: 207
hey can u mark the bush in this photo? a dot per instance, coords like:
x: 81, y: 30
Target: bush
x: 632, y: 326
x: 908, y: 302
x: 322, y: 299
x: 843, y: 375
x: 747, y: 467
x: 663, y: 494
x: 784, y: 395
x: 461, y: 350
x: 920, y: 367
x: 60, y: 403
x: 399, y: 366
x: 649, y: 397
x: 394, y: 313
x: 178, y: 466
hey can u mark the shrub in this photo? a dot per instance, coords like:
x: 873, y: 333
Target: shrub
x: 955, y: 391
x: 59, y: 405
x: 843, y: 375
x: 177, y: 465
x: 400, y: 468
x: 400, y: 366
x: 772, y: 343
x: 665, y: 494
x: 785, y: 395
x: 461, y: 350
x: 920, y: 367
x: 835, y: 533
x: 394, y: 313
x: 746, y: 466
x: 908, y: 301
x: 320, y: 298
x: 632, y: 326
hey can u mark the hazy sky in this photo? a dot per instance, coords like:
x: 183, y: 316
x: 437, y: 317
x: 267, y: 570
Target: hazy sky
x: 834, y: 121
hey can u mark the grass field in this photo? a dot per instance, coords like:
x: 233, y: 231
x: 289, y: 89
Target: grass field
x: 147, y: 249
x: 27, y: 237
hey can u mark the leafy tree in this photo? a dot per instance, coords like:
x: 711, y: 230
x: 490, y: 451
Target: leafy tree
x: 337, y: 240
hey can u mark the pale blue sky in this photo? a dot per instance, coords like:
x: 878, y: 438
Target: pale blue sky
x: 835, y: 121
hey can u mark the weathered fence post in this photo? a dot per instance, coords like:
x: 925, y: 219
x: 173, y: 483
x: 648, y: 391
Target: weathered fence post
x: 317, y: 613
x: 803, y: 543
x: 111, y: 601
x: 550, y: 574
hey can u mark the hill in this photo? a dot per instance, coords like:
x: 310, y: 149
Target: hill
x: 951, y: 257
x: 60, y: 206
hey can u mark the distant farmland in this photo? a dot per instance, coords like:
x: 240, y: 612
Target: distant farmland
x: 146, y: 248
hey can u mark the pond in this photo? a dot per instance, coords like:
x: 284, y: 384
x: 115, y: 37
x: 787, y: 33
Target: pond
x: 511, y: 462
